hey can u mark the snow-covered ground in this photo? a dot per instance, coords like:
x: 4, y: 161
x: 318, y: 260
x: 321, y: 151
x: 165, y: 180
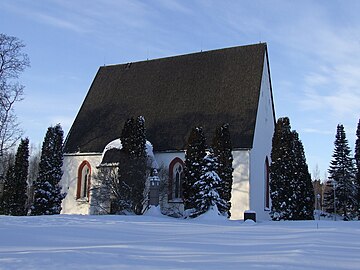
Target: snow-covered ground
x: 154, y: 242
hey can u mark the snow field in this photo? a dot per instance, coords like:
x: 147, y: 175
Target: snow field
x: 158, y: 242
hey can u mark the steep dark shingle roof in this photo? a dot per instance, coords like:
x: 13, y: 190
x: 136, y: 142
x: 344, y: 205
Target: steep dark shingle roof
x: 174, y: 94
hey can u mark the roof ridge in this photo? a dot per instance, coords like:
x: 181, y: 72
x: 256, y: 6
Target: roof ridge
x: 186, y: 54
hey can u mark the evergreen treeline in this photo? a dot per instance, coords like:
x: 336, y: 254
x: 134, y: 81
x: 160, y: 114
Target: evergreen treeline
x: 14, y: 197
x: 47, y: 191
x: 207, y: 175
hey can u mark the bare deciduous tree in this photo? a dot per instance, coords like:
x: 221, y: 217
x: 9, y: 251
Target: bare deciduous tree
x: 34, y: 160
x: 13, y: 61
x: 112, y: 195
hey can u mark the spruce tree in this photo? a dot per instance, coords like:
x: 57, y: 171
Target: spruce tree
x: 6, y: 163
x: 15, y: 188
x: 138, y: 158
x: 281, y: 171
x: 133, y: 167
x: 329, y: 197
x: 207, y: 196
x: 47, y: 189
x: 223, y: 154
x: 342, y: 171
x: 302, y: 184
x: 8, y: 190
x: 291, y: 189
x: 194, y: 157
x: 357, y: 163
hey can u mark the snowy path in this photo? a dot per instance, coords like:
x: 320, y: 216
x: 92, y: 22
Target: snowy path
x: 130, y: 242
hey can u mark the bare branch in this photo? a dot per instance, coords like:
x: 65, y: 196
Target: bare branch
x: 12, y: 62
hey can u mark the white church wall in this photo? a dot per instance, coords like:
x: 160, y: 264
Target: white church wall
x: 264, y: 130
x: 172, y: 207
x: 240, y: 187
x: 164, y: 158
x: 71, y: 164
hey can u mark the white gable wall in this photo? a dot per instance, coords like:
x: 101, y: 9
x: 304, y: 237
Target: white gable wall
x: 262, y: 143
x: 240, y: 188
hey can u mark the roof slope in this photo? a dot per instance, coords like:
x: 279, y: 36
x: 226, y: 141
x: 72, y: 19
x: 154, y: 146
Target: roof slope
x: 174, y: 94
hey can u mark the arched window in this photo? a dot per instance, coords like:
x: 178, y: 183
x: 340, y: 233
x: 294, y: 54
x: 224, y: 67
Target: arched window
x: 267, y: 183
x: 83, y: 184
x: 176, y: 175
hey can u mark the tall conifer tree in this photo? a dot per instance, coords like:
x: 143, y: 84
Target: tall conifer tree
x: 357, y: 163
x: 15, y: 188
x: 194, y: 158
x: 303, y: 189
x: 342, y: 171
x: 133, y: 168
x: 291, y: 190
x: 281, y: 170
x: 139, y: 159
x: 47, y: 189
x: 222, y: 148
x: 6, y: 164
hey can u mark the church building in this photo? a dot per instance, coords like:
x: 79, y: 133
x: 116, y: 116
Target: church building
x: 175, y: 94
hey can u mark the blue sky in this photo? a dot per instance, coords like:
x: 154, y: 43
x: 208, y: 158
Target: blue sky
x: 314, y: 50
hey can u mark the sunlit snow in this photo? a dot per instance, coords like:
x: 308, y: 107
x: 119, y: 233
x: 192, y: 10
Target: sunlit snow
x: 158, y: 242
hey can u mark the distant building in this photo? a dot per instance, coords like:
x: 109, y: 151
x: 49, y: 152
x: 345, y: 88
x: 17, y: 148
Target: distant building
x: 174, y: 95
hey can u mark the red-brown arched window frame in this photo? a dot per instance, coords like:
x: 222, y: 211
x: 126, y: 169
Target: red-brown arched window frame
x: 267, y: 183
x: 83, y: 181
x: 176, y: 174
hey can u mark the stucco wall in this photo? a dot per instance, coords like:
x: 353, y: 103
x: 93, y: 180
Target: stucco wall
x: 264, y: 130
x: 164, y: 158
x: 70, y: 205
x: 174, y: 207
x: 240, y: 187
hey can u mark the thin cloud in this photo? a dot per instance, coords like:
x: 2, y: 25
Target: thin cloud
x: 58, y: 22
x: 316, y: 79
x: 85, y: 16
x: 328, y: 60
x: 35, y: 13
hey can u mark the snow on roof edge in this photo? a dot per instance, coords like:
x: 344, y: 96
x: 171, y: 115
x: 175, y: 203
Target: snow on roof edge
x: 118, y: 145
